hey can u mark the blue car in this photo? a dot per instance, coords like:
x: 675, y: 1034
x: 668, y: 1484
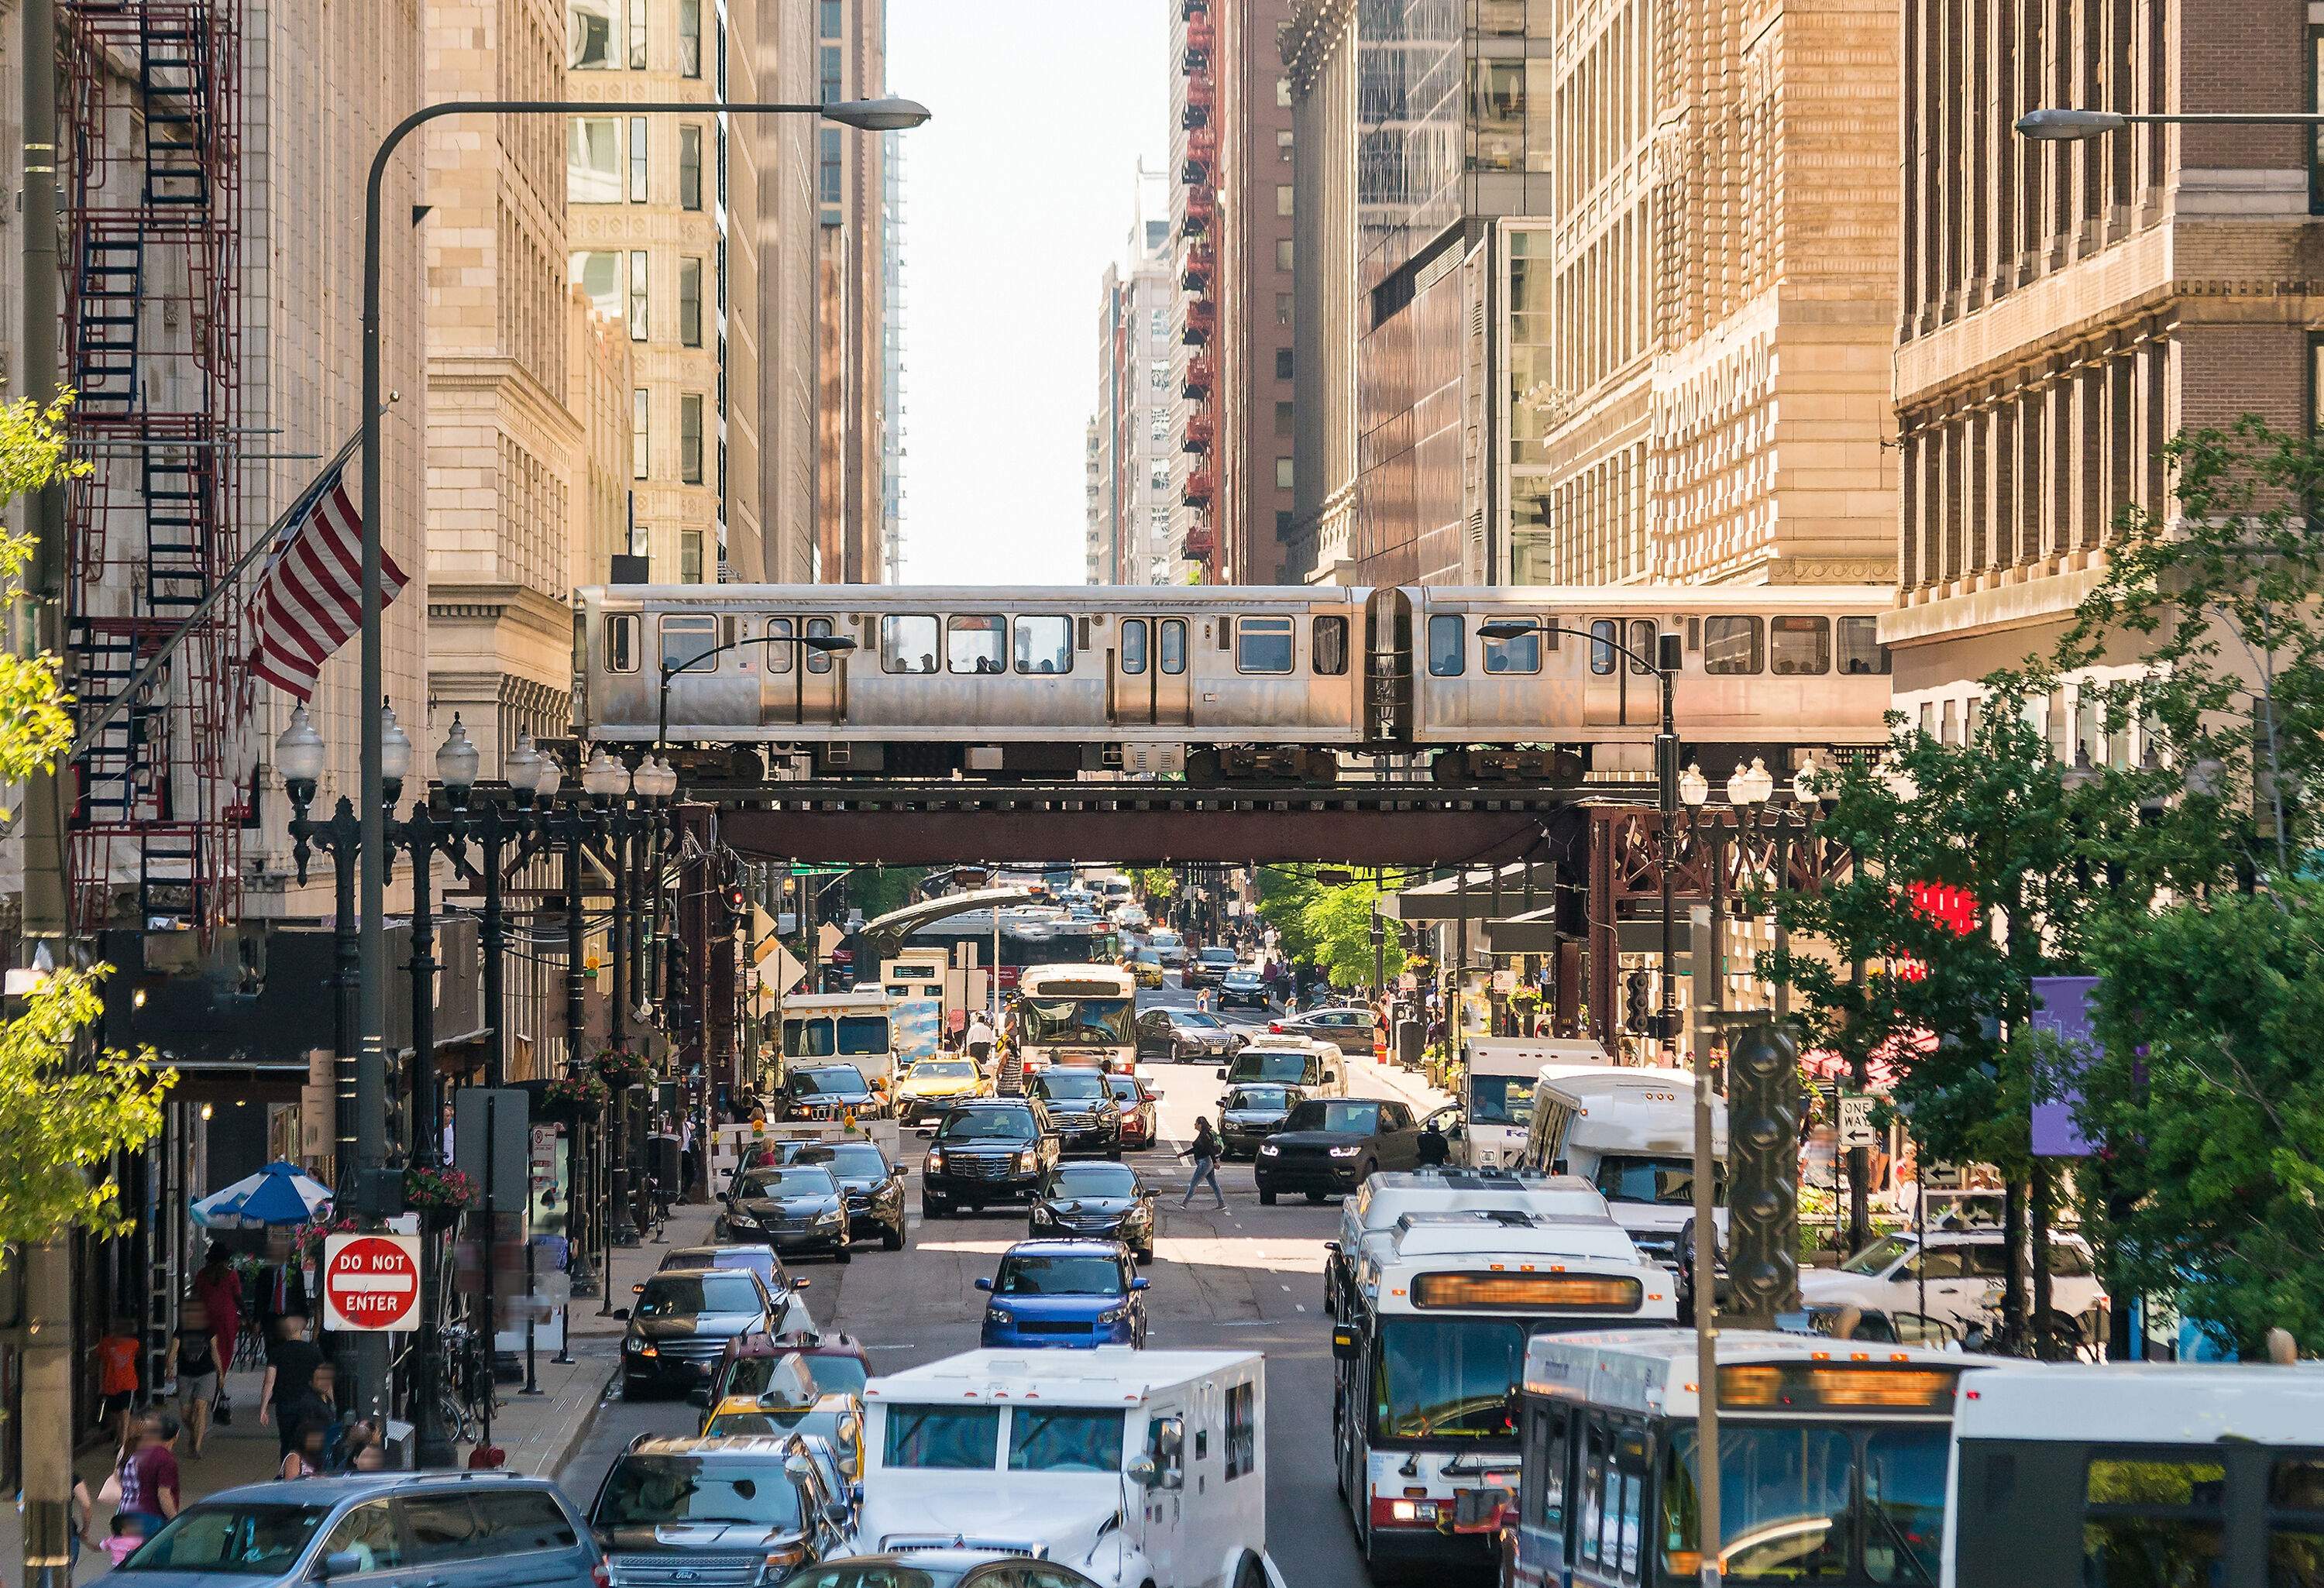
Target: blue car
x: 1071, y: 1293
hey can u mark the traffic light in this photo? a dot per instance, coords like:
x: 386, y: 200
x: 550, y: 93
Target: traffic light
x: 1763, y: 1190
x: 738, y: 902
x: 1637, y: 1014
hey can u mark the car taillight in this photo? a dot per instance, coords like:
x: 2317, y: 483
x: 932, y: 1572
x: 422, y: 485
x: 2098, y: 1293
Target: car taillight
x: 599, y: 1576
x: 1275, y: 1027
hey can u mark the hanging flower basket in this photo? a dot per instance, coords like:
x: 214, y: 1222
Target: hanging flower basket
x: 620, y: 1069
x: 307, y: 1245
x: 437, y: 1195
x: 573, y: 1099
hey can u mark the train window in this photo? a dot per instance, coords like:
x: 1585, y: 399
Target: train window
x: 1797, y: 645
x: 977, y: 643
x: 1133, y: 646
x: 1645, y: 639
x: 781, y: 658
x: 1265, y: 645
x: 688, y: 639
x: 1519, y: 654
x: 1171, y: 643
x: 908, y: 644
x: 819, y: 661
x: 622, y: 643
x: 1860, y: 650
x: 1226, y: 634
x: 1045, y: 645
x: 1603, y: 635
x: 1329, y: 650
x: 1731, y: 646
x: 1448, y: 645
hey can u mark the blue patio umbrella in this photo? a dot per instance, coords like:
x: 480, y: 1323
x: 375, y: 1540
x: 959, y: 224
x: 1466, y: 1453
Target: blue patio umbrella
x: 279, y: 1194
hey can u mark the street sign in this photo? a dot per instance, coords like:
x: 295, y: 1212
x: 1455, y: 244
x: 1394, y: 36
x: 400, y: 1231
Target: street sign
x: 371, y: 1283
x: 1856, y: 1123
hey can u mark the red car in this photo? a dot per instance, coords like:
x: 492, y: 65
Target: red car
x: 1136, y: 1101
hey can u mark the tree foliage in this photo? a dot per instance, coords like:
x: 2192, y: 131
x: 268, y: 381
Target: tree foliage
x: 63, y: 1114
x: 1325, y: 927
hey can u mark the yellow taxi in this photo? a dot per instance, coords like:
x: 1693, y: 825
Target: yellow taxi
x: 838, y: 1418
x: 1146, y: 966
x: 934, y: 1084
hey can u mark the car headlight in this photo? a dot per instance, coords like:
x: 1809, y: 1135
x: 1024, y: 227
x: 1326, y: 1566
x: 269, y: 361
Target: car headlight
x: 994, y: 1315
x: 829, y: 1218
x: 1345, y: 1151
x: 1269, y: 1150
x: 935, y: 1159
x: 1111, y: 1315
x: 1025, y: 1161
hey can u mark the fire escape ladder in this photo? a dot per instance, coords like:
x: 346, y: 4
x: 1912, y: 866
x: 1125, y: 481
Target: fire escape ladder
x: 111, y: 266
x: 173, y: 79
x: 177, y: 508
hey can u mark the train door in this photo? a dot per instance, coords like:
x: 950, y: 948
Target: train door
x: 689, y: 680
x: 796, y: 685
x: 1620, y: 691
x: 1148, y: 682
x: 1173, y: 687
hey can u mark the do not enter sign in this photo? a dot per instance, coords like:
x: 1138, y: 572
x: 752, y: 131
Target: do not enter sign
x: 371, y: 1283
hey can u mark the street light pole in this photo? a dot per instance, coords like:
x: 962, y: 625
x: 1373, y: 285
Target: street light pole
x: 829, y: 644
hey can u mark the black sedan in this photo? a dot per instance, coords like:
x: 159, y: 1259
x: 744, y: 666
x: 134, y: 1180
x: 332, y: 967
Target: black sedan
x: 1328, y: 1147
x: 874, y: 1186
x: 1184, y: 1035
x: 1204, y: 967
x: 1245, y: 987
x: 1103, y: 1201
x: 825, y: 1092
x: 1250, y: 1114
x: 792, y: 1208
x: 681, y: 1322
x: 1082, y: 1107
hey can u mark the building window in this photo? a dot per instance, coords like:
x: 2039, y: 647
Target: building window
x: 641, y: 431
x: 1160, y: 476
x: 600, y: 276
x: 639, y: 146
x: 1283, y: 418
x: 689, y: 302
x: 689, y: 37
x: 637, y: 35
x: 1282, y: 198
x: 1282, y: 308
x: 640, y: 315
x: 689, y: 437
x: 590, y: 30
x: 1159, y: 324
x: 721, y: 165
x: 1283, y: 363
x: 1158, y: 423
x: 1283, y: 92
x: 593, y: 160
x: 689, y: 167
x: 831, y: 28
x: 1283, y: 473
x: 1283, y: 147
x: 689, y: 557
x: 829, y: 59
x: 830, y: 166
x: 2316, y: 102
x: 1159, y: 375
x: 1283, y: 253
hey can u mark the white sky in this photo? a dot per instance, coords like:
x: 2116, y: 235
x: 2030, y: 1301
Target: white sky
x: 1011, y: 216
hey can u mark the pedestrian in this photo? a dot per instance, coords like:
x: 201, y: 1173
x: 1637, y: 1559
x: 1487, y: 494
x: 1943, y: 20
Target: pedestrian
x: 1205, y: 1151
x: 220, y: 1290
x: 302, y: 1454
x: 1435, y: 1151
x: 980, y: 1037
x: 149, y: 1479
x: 194, y: 1364
x: 289, y: 1374
x: 127, y: 1532
x: 80, y: 1517
x: 116, y: 1379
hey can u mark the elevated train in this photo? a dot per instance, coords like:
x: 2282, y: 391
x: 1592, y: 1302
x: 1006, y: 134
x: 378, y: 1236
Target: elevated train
x: 1228, y: 682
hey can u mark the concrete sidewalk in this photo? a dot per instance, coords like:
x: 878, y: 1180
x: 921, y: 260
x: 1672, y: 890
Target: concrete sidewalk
x: 1397, y: 1081
x: 539, y: 1432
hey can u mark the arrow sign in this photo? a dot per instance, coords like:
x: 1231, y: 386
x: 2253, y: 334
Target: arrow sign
x: 371, y: 1283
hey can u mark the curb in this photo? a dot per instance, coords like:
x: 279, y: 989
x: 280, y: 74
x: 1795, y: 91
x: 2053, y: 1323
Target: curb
x: 570, y: 1418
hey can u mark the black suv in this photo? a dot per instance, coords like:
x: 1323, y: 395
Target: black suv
x: 1328, y: 1146
x: 996, y: 1149
x: 873, y: 1186
x: 682, y: 1322
x: 1207, y: 966
x: 825, y: 1092
x: 728, y: 1510
x: 1082, y: 1108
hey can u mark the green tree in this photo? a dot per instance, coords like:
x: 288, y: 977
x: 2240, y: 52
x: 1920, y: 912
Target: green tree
x: 1325, y: 927
x: 63, y: 1114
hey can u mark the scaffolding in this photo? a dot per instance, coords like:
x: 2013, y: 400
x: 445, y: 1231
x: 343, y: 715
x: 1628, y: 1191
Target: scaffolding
x: 151, y: 105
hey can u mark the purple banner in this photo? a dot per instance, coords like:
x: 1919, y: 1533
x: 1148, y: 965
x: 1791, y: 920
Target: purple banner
x: 2061, y: 1007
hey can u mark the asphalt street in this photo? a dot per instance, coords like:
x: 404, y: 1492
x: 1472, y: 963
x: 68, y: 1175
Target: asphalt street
x: 1245, y: 1278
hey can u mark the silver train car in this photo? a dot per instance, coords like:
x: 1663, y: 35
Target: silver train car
x: 1222, y: 681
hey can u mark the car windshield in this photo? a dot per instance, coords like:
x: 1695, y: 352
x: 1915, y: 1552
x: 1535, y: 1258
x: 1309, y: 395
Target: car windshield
x: 944, y: 1069
x: 797, y: 1180
x: 1069, y: 1085
x: 988, y: 1124
x: 1359, y: 1118
x: 1500, y: 1100
x: 1800, y: 1503
x: 843, y: 1080
x: 1146, y: 957
x: 1259, y: 1097
x: 1666, y: 1181
x: 875, y: 1575
x: 1217, y: 957
x: 1093, y: 1179
x: 651, y: 1491
x: 1074, y: 1274
x: 1879, y: 1257
x: 1196, y: 1017
x: 1062, y: 1439
x: 834, y: 1374
x: 232, y: 1540
x: 679, y: 1295
x: 1048, y: 1021
x: 1292, y: 1069
x: 1243, y: 978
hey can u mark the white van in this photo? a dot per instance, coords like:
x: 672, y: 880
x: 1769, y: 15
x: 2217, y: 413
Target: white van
x: 1628, y: 1130
x: 1497, y: 1095
x: 1132, y: 1467
x: 845, y: 1028
x: 1318, y: 1069
x: 1371, y: 1213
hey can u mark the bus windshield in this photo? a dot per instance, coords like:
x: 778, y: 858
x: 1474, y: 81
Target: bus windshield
x: 1449, y: 1378
x: 1056, y: 1021
x: 1500, y: 1100
x: 1668, y: 1181
x: 1813, y: 1502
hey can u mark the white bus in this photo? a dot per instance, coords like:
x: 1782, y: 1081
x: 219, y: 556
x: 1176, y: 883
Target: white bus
x: 1497, y: 1096
x: 1083, y: 1014
x: 1628, y: 1130
x: 2162, y: 1472
x: 1831, y: 1462
x: 1369, y: 1217
x: 1427, y: 1352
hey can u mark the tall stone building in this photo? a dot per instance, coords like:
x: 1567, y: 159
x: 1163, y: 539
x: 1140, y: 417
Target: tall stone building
x: 852, y: 204
x: 783, y: 150
x: 2069, y: 308
x: 1133, y: 536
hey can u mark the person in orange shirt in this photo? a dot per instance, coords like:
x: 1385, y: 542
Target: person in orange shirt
x: 116, y: 1377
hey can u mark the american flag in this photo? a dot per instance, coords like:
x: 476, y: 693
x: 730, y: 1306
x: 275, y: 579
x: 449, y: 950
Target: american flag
x: 309, y: 600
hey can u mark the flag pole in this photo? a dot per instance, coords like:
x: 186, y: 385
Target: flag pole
x: 153, y: 664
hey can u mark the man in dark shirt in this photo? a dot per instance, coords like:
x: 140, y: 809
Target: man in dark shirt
x: 316, y: 1406
x: 289, y: 1376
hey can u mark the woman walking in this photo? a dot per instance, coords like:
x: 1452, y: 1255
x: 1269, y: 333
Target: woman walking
x: 1204, y: 1152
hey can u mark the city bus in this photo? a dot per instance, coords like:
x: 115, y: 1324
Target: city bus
x: 1083, y: 1014
x: 1027, y: 938
x: 2138, y: 1472
x: 1427, y: 1352
x: 1831, y: 1462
